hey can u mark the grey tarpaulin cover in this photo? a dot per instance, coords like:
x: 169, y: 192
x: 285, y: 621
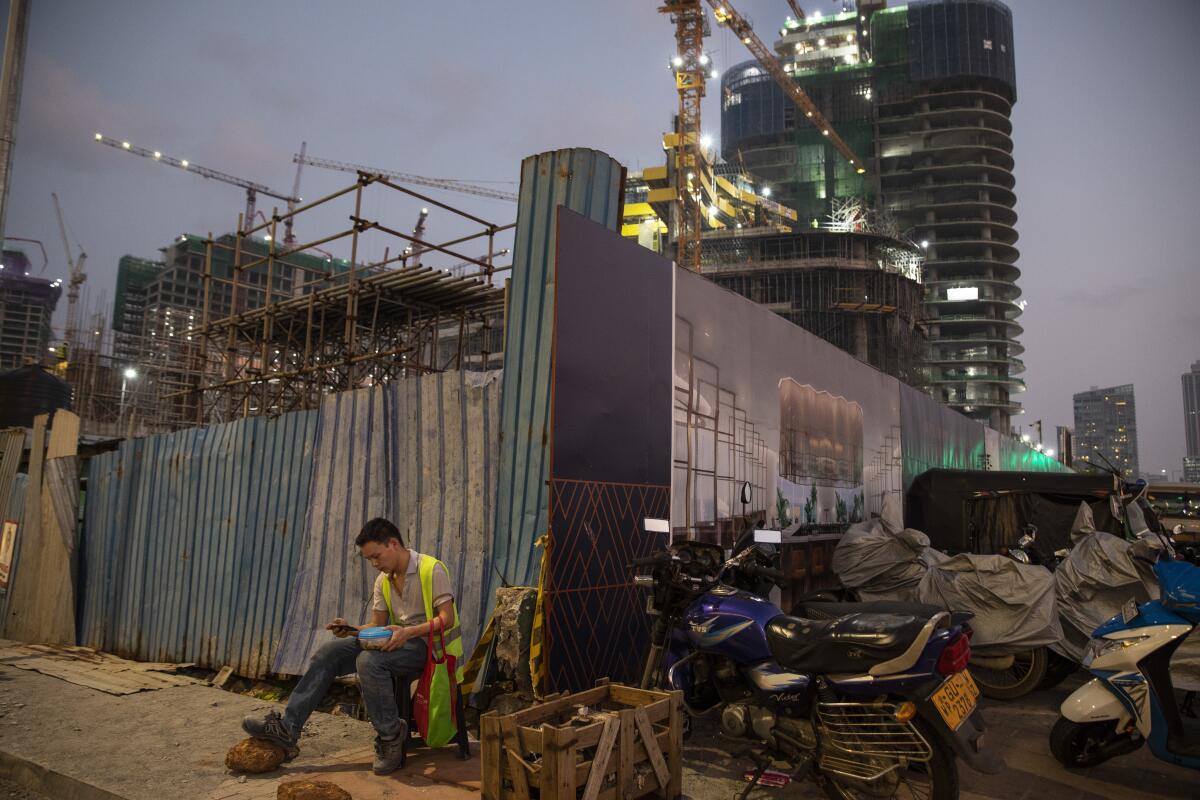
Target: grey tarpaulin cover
x: 1102, y: 573
x: 1013, y: 603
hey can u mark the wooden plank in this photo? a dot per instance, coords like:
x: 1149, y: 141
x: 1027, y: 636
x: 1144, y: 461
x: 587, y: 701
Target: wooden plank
x: 626, y: 762
x: 23, y: 581
x: 489, y: 754
x: 558, y: 760
x: 64, y: 436
x: 675, y: 746
x: 652, y: 750
x: 612, y: 726
x: 519, y: 768
x: 632, y: 696
x: 548, y: 710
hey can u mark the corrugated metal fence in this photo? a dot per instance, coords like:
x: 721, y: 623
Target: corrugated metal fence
x: 420, y: 452
x: 589, y: 182
x: 191, y: 541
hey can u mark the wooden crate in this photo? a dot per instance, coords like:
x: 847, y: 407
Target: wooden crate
x: 631, y: 749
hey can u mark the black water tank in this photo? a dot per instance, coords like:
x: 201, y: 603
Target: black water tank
x: 28, y: 391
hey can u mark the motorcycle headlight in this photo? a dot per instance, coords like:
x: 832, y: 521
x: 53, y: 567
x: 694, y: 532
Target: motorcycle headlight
x: 1099, y: 648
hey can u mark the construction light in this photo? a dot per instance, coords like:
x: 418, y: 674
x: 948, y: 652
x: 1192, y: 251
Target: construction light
x: 157, y: 154
x: 825, y: 132
x: 861, y: 170
x: 766, y: 192
x: 713, y: 74
x: 925, y: 244
x: 706, y: 141
x: 1050, y: 452
x: 130, y: 373
x: 849, y: 37
x: 821, y: 42
x: 184, y: 163
x: 816, y: 15
x: 98, y: 137
x: 677, y: 61
x: 1025, y: 438
x: 746, y: 40
x: 703, y: 59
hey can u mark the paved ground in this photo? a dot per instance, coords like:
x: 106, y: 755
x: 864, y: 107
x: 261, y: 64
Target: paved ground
x: 172, y: 742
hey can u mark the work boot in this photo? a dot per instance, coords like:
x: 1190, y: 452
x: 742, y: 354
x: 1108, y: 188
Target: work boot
x: 271, y: 729
x: 389, y: 753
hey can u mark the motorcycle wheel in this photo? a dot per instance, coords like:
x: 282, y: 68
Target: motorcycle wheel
x: 1057, y: 670
x: 1079, y: 745
x: 1027, y: 671
x: 936, y: 779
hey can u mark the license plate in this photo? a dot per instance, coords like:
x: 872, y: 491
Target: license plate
x: 955, y: 699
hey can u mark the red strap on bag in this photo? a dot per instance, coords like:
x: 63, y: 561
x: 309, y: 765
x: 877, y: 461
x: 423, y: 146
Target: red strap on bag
x: 432, y: 664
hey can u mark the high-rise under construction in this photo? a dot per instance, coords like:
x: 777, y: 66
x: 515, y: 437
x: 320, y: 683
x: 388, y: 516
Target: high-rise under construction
x: 927, y: 91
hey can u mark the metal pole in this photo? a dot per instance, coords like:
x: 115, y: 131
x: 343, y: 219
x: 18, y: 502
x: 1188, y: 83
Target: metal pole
x: 15, y: 40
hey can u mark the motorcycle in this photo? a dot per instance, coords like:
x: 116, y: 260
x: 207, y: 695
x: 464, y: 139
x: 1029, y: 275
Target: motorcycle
x: 1131, y: 700
x: 1025, y: 552
x: 867, y: 704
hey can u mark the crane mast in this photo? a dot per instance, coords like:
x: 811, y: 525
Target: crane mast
x: 690, y: 74
x: 726, y: 14
x: 76, y: 277
x: 403, y: 177
x: 289, y: 237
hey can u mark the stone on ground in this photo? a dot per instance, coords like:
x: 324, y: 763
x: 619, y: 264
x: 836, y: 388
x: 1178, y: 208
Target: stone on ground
x: 253, y: 756
x: 311, y: 790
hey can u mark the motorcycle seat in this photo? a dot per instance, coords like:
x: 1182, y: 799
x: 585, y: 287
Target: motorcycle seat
x: 833, y: 609
x: 851, y: 643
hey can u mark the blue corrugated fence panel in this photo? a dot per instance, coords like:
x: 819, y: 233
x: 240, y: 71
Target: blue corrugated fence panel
x: 588, y: 182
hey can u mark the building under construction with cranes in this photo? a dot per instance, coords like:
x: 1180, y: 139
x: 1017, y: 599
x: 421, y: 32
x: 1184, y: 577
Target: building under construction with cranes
x: 837, y: 268
x: 925, y: 93
x: 242, y: 324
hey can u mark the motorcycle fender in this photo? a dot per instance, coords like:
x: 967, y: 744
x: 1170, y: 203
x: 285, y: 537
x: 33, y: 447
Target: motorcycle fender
x: 967, y: 741
x: 1094, y: 702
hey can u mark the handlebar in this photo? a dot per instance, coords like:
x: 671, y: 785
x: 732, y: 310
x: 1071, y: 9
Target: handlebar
x: 650, y: 561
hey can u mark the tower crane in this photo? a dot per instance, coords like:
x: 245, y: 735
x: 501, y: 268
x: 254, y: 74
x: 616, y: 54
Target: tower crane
x: 690, y: 66
x: 418, y: 235
x: 796, y: 9
x: 288, y: 237
x: 76, y: 278
x: 726, y: 14
x: 252, y: 189
x: 402, y: 177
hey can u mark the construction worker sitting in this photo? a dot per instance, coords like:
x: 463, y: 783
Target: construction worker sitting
x: 411, y: 597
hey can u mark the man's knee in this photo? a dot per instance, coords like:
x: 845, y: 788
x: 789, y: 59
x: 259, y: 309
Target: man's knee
x: 371, y: 663
x: 327, y: 653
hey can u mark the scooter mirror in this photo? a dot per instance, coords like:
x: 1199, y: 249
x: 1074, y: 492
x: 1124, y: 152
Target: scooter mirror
x: 747, y: 494
x: 768, y: 537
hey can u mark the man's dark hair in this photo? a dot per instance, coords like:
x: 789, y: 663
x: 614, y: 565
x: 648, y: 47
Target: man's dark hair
x: 378, y: 530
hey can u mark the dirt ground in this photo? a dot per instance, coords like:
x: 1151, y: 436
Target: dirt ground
x: 172, y: 742
x: 14, y: 791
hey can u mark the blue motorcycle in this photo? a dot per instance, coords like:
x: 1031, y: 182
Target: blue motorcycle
x: 876, y: 703
x: 1131, y: 700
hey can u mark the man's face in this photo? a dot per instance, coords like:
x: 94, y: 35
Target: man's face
x: 383, y: 557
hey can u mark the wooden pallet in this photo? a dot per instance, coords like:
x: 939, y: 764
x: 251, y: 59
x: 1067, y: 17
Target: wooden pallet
x: 628, y: 746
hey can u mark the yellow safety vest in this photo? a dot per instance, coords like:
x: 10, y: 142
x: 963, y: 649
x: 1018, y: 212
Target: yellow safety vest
x: 441, y: 724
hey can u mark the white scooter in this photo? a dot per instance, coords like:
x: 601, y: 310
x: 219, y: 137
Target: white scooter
x: 1131, y: 700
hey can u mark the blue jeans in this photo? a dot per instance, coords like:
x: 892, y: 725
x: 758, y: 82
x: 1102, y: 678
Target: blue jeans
x: 375, y: 668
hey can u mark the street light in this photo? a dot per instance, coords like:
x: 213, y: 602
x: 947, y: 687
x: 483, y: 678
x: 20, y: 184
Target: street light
x: 130, y: 374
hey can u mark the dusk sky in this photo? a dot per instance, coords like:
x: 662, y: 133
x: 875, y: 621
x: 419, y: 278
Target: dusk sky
x: 1104, y: 128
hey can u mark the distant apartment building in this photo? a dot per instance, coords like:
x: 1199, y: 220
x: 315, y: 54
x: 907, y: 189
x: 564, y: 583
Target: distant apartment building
x: 1106, y: 423
x: 1066, y: 444
x: 1191, y: 421
x: 27, y: 304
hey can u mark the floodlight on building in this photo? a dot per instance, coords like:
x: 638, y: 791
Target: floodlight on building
x: 1025, y: 438
x: 925, y: 244
x: 820, y: 42
x: 849, y: 37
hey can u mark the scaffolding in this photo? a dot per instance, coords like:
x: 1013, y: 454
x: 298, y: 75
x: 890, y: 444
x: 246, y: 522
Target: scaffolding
x: 338, y: 328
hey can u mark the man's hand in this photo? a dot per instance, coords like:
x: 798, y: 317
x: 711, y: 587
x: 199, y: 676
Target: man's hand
x: 341, y: 628
x: 400, y: 635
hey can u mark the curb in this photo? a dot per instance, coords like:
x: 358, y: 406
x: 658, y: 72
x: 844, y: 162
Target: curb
x: 54, y: 784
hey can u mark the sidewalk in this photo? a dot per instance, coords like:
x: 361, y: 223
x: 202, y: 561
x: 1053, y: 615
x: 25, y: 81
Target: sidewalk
x: 171, y: 742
